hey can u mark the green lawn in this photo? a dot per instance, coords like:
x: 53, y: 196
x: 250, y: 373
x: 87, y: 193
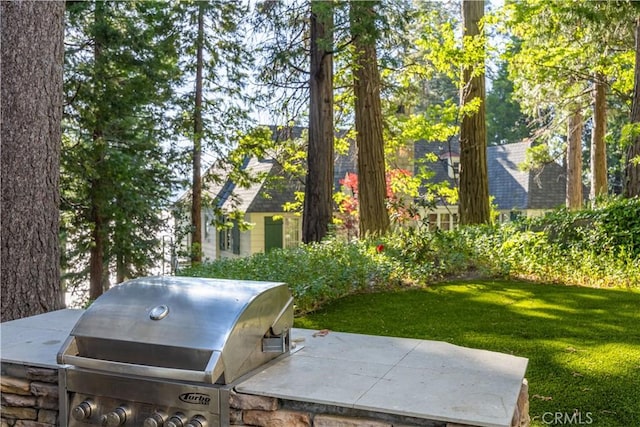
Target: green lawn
x: 583, y: 344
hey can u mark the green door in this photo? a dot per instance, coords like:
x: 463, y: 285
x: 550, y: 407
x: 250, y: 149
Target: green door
x: 272, y: 233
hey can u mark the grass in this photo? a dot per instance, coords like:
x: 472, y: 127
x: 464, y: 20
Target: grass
x: 583, y: 344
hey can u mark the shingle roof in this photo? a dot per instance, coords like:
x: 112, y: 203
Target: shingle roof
x: 512, y: 188
x: 261, y: 195
x: 440, y: 168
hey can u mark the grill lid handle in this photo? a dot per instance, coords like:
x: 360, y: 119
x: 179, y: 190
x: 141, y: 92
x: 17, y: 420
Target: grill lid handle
x: 159, y: 312
x: 282, y: 321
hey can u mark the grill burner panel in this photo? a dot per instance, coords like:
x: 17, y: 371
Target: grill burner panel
x: 159, y: 352
x: 144, y: 402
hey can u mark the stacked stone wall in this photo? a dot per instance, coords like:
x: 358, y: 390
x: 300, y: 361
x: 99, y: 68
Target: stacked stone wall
x: 30, y: 399
x: 29, y: 396
x: 263, y: 411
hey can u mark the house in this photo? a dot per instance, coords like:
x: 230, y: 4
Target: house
x: 514, y: 192
x: 260, y: 203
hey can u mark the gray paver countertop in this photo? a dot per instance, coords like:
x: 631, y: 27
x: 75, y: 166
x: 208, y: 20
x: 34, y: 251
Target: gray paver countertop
x: 425, y: 379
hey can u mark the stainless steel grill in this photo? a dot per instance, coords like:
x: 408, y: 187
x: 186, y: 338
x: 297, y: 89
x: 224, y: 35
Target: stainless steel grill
x: 164, y: 351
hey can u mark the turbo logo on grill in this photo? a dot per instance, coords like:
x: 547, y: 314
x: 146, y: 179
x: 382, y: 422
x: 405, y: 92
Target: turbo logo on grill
x: 195, y: 398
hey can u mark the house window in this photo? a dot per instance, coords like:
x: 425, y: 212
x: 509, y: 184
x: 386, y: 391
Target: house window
x: 229, y: 237
x: 444, y: 221
x: 433, y: 222
x: 515, y: 215
x: 224, y: 236
x: 291, y: 232
x: 235, y: 238
x: 207, y: 226
x: 455, y: 220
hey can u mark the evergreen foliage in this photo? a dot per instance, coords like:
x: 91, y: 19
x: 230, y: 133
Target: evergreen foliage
x: 506, y: 123
x: 116, y: 172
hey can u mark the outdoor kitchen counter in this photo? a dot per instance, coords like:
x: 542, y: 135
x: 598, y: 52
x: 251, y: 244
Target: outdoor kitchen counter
x: 36, y: 340
x: 417, y: 378
x: 424, y: 379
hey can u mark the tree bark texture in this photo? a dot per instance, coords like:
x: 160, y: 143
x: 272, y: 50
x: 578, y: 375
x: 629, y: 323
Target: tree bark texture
x: 574, y: 161
x: 318, y: 198
x: 196, y: 187
x: 374, y: 218
x: 599, y: 184
x: 31, y: 86
x: 632, y: 167
x: 474, y: 185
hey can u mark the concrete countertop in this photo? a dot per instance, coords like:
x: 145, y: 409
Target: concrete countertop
x: 417, y: 378
x: 424, y: 379
x: 35, y: 341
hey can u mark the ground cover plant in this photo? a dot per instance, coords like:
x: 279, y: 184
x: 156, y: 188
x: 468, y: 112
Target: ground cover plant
x: 583, y: 344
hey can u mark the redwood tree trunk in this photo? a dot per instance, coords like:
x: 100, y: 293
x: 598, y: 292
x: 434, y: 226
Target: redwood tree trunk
x: 632, y: 169
x: 599, y: 184
x: 196, y: 187
x: 318, y: 198
x: 574, y: 161
x: 31, y: 86
x: 474, y: 184
x: 374, y: 218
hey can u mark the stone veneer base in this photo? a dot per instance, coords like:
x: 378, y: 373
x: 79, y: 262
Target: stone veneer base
x: 30, y: 399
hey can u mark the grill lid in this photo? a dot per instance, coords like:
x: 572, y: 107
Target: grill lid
x: 210, y: 330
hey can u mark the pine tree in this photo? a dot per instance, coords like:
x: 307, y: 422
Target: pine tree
x: 215, y: 57
x: 116, y: 172
x: 32, y: 54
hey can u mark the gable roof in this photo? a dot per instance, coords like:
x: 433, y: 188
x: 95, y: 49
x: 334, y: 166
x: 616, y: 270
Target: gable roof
x: 512, y: 188
x: 261, y: 195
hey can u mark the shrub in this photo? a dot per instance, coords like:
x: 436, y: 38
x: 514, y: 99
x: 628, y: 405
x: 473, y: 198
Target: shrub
x: 595, y: 247
x: 316, y: 273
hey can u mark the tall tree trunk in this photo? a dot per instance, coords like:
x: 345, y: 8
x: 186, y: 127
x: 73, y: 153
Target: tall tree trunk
x: 574, y: 161
x: 474, y: 185
x: 318, y: 198
x: 374, y: 218
x: 599, y: 184
x: 31, y: 111
x: 632, y: 168
x: 98, y: 283
x: 196, y: 187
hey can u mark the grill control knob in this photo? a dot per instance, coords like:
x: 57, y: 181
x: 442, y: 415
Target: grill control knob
x: 115, y: 418
x: 197, y: 421
x: 156, y: 419
x: 177, y: 420
x: 83, y: 410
